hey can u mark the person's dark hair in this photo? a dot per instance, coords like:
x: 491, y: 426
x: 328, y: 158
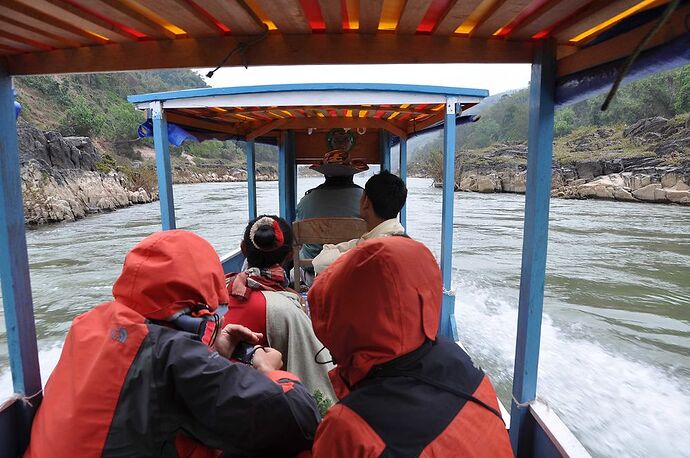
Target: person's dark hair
x: 267, y: 240
x: 387, y: 194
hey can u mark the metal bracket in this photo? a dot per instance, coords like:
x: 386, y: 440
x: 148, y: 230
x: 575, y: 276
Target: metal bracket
x: 156, y: 110
x: 451, y: 105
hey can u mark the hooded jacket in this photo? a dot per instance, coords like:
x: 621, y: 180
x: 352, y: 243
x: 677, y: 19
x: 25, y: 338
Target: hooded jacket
x: 129, y: 384
x: 403, y: 391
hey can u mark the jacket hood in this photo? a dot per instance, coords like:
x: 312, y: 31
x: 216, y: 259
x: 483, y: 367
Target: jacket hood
x: 378, y: 301
x: 170, y: 272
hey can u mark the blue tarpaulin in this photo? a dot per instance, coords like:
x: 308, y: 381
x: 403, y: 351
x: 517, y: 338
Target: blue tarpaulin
x: 17, y: 105
x: 176, y: 134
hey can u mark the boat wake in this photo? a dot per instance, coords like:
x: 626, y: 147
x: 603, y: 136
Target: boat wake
x: 616, y: 406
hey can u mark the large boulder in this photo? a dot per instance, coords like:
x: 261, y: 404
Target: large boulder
x: 55, y: 150
x: 650, y: 193
x: 589, y: 170
x: 643, y: 127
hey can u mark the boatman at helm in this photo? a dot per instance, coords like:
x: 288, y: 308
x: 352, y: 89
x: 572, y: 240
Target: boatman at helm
x: 135, y: 378
x: 403, y: 390
x: 338, y: 196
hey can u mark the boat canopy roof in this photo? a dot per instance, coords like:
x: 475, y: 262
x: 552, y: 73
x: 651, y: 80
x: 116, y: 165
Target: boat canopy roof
x: 68, y: 36
x: 312, y: 110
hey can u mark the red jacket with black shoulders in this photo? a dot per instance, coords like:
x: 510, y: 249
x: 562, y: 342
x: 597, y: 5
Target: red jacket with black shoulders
x: 129, y: 385
x: 403, y: 391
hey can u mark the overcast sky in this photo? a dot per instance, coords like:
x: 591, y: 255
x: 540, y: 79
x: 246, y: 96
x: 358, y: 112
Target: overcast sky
x: 494, y: 77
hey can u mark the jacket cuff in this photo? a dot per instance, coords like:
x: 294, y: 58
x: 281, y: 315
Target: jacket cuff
x: 283, y: 378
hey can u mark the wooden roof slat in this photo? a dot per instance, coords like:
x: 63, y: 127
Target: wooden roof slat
x: 34, y: 33
x: 266, y: 128
x: 457, y: 13
x: 67, y: 12
x: 17, y: 45
x: 182, y: 15
x: 22, y: 33
x: 18, y: 12
x: 332, y: 12
x: 621, y: 46
x: 119, y: 12
x: 370, y: 15
x: 9, y: 50
x: 550, y: 14
x: 287, y: 15
x: 326, y: 123
x: 202, y: 16
x: 27, y: 41
x: 200, y: 123
x: 428, y: 121
x: 500, y: 17
x: 593, y: 14
x: 412, y: 14
x: 234, y: 14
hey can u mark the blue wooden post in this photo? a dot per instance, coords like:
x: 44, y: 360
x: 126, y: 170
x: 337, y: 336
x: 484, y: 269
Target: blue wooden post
x: 163, y: 169
x: 287, y: 174
x: 14, y: 262
x: 292, y: 176
x: 448, y: 326
x: 535, y: 236
x: 403, y: 176
x: 14, y: 266
x: 249, y: 151
x: 385, y: 148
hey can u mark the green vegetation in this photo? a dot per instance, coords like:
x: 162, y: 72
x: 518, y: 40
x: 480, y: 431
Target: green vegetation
x: 504, y: 121
x: 322, y: 402
x: 95, y: 105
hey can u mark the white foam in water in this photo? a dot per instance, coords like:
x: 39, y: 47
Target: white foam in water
x: 615, y: 406
x: 48, y: 358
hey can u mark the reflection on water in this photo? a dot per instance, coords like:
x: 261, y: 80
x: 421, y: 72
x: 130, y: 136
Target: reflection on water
x: 615, y: 354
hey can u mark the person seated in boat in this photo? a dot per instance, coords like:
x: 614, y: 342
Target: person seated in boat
x: 403, y: 390
x: 135, y: 379
x: 261, y: 300
x: 337, y: 196
x: 383, y: 198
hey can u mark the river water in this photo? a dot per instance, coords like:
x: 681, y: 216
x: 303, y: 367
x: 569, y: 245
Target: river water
x: 615, y: 352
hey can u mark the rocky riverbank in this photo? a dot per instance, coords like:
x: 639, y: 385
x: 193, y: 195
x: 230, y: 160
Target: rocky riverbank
x: 645, y: 162
x: 67, y: 178
x: 61, y: 181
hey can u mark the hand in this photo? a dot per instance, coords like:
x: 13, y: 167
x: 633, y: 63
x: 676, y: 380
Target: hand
x: 233, y: 334
x: 267, y: 359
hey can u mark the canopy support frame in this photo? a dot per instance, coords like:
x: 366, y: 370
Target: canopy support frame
x: 385, y: 150
x: 163, y: 168
x: 535, y: 238
x: 403, y: 177
x: 448, y: 326
x: 250, y: 153
x: 14, y: 271
x: 287, y: 177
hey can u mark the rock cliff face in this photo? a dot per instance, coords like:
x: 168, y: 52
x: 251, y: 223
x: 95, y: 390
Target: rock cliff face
x: 214, y: 174
x: 60, y: 180
x: 660, y: 175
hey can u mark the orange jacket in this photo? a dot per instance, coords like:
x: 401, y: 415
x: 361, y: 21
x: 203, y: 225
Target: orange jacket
x: 129, y: 384
x: 403, y: 391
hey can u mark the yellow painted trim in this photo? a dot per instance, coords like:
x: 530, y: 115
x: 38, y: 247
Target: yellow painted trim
x: 615, y: 19
x: 473, y: 19
x: 141, y: 9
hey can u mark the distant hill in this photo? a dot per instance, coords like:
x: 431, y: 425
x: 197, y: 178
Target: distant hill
x: 504, y: 117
